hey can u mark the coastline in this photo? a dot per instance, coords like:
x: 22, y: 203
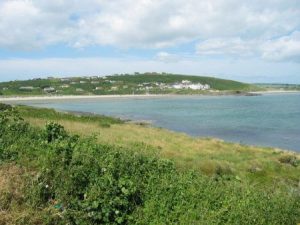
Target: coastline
x: 79, y: 97
x: 66, y: 97
x: 274, y: 92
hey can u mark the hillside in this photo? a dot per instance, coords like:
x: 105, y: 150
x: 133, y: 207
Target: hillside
x: 100, y: 170
x: 148, y: 83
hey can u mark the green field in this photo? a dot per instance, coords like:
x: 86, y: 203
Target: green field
x: 148, y: 83
x: 285, y: 87
x: 61, y: 168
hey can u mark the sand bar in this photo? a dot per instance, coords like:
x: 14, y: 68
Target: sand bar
x: 66, y: 97
x: 79, y: 97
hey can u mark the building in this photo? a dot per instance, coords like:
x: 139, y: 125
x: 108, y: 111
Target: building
x: 114, y: 88
x: 49, y: 89
x: 188, y: 85
x: 79, y: 90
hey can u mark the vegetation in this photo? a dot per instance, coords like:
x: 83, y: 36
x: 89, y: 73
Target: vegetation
x: 49, y: 175
x: 286, y: 87
x: 152, y: 83
x: 255, y: 164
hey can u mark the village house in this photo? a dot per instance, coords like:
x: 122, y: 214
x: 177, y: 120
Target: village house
x: 49, y: 89
x: 188, y: 85
x: 65, y: 86
x: 114, y: 88
x: 79, y: 90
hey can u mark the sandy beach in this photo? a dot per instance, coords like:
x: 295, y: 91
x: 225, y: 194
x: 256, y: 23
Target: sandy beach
x: 66, y: 97
x: 74, y: 97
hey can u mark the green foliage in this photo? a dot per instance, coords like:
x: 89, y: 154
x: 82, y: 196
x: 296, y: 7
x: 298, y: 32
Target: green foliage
x: 289, y: 159
x: 4, y: 107
x: 55, y: 132
x: 51, y: 114
x: 81, y: 182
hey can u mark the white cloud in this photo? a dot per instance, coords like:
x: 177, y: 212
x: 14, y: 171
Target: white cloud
x: 167, y: 57
x: 229, y: 46
x: 29, y: 24
x: 286, y: 48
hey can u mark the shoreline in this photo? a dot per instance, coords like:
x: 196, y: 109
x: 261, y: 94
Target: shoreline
x: 274, y: 92
x: 79, y: 97
x: 143, y: 122
x: 148, y: 123
x: 66, y: 97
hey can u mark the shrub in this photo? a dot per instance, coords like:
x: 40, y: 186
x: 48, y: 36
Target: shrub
x: 55, y: 131
x: 4, y: 107
x: 104, y: 124
x: 289, y: 159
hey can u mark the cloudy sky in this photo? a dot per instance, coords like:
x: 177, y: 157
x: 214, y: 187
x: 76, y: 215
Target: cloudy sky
x: 252, y: 41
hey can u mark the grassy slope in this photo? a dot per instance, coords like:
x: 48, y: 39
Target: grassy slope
x: 130, y: 81
x: 257, y: 164
x: 167, y: 196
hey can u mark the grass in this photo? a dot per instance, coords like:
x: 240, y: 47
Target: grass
x: 258, y: 164
x: 124, y: 173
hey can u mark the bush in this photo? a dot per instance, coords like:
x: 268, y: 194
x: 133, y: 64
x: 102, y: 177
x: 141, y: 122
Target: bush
x: 4, y: 107
x: 289, y: 159
x: 55, y: 132
x: 104, y: 124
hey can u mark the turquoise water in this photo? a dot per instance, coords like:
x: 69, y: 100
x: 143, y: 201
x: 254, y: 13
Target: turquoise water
x: 268, y: 120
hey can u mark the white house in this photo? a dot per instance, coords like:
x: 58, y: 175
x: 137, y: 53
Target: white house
x: 79, y: 89
x: 65, y: 86
x: 49, y: 89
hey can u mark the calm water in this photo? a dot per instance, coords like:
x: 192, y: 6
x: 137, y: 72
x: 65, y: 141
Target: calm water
x: 268, y: 120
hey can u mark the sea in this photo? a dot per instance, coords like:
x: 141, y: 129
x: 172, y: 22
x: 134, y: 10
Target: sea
x: 270, y: 120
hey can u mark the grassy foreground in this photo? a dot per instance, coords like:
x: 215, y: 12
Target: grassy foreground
x: 100, y: 170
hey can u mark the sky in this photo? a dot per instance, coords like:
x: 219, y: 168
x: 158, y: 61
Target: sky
x: 253, y: 41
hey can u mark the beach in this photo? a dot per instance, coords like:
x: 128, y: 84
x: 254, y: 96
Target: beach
x: 71, y: 97
x: 80, y: 97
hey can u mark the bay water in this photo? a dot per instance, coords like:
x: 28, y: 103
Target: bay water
x: 271, y: 120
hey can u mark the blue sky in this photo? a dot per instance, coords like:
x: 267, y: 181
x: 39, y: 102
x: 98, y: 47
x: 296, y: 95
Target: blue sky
x: 252, y: 41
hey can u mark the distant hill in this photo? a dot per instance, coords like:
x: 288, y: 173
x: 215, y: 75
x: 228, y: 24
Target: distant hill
x: 152, y: 83
x: 278, y: 86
